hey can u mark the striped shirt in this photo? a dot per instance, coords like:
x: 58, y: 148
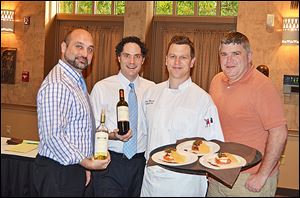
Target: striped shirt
x: 64, y: 117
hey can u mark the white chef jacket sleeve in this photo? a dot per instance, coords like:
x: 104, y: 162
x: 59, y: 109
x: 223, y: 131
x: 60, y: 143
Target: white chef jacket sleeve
x: 212, y: 123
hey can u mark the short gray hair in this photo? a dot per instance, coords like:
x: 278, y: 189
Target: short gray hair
x: 237, y: 38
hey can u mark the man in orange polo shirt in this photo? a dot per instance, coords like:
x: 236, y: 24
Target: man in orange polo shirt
x: 251, y: 113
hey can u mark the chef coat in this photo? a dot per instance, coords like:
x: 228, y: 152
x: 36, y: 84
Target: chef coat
x: 173, y: 114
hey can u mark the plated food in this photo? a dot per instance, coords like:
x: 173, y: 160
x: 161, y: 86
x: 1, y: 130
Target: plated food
x: 199, y: 147
x: 222, y: 160
x: 225, y: 158
x: 172, y: 157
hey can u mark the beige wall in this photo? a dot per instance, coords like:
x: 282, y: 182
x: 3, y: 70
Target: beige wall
x: 289, y: 163
x: 30, y: 43
x: 267, y: 49
x: 19, y: 121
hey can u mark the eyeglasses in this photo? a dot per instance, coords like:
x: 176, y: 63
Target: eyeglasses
x: 136, y: 57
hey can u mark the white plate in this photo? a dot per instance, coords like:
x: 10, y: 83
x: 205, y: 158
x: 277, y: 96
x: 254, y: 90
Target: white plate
x: 190, y: 158
x: 187, y: 147
x: 208, y: 160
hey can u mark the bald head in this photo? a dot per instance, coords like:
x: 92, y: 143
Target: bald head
x: 77, y: 49
x: 75, y: 33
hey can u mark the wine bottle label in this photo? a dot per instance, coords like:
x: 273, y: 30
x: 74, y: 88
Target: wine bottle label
x: 101, y: 139
x: 123, y: 113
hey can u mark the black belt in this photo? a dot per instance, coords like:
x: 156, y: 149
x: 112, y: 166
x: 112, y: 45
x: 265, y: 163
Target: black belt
x: 122, y: 155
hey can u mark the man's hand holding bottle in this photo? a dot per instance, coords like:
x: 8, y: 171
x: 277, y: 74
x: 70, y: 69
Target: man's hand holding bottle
x: 124, y: 138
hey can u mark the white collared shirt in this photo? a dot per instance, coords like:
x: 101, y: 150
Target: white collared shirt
x: 105, y: 95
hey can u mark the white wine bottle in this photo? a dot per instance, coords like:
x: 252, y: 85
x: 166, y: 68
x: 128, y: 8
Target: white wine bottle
x: 101, y: 139
x: 122, y: 114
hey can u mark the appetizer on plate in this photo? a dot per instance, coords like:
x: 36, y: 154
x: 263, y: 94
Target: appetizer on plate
x: 222, y: 160
x: 225, y: 158
x: 172, y: 156
x: 200, y: 146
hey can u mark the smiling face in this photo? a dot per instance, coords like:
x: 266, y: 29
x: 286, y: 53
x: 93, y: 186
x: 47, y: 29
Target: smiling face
x: 77, y: 50
x: 131, y: 61
x: 235, y: 61
x: 179, y: 62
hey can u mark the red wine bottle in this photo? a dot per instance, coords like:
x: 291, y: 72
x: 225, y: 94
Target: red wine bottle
x: 122, y: 114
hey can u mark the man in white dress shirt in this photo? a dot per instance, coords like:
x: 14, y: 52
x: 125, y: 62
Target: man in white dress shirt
x: 123, y: 176
x: 177, y: 109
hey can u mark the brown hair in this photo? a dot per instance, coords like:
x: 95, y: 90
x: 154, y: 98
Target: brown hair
x: 131, y: 39
x: 182, y: 40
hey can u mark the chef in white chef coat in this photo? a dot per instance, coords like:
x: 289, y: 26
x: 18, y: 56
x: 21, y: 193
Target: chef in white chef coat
x: 173, y: 110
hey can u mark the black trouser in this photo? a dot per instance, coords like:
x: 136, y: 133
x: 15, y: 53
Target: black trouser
x: 52, y: 179
x: 122, y: 178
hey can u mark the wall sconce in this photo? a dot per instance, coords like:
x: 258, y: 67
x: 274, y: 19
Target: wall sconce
x: 290, y: 31
x: 7, y: 21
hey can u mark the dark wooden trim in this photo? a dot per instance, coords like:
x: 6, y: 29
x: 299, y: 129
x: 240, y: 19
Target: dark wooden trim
x: 197, y: 19
x: 89, y: 17
x: 293, y: 133
x: 287, y: 192
x: 18, y: 107
x: 180, y: 24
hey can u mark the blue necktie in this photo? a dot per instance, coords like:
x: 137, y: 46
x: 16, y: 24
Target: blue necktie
x: 82, y: 84
x: 129, y: 147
